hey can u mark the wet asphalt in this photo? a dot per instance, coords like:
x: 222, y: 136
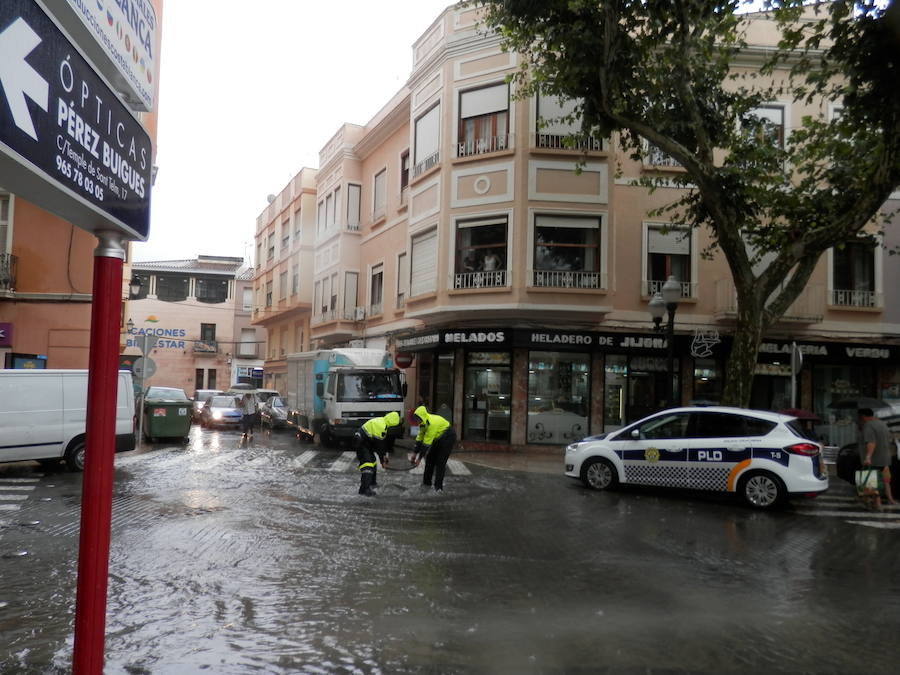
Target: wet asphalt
x: 261, y: 558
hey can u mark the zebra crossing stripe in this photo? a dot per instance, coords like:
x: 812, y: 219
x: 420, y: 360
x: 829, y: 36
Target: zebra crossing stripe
x: 343, y: 462
x: 894, y: 525
x: 458, y: 468
x: 19, y: 480
x: 305, y: 458
x: 18, y: 487
x: 13, y: 498
x: 845, y: 514
x: 10, y: 507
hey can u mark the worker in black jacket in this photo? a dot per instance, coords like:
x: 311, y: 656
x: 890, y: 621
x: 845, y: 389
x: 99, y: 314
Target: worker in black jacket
x: 372, y: 439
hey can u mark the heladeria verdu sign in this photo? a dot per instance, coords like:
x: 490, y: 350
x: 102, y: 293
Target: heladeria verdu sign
x: 121, y: 38
x: 67, y: 143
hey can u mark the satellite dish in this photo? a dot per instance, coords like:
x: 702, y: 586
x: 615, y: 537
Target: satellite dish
x: 271, y: 198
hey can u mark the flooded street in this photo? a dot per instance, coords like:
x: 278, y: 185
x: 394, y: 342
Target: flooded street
x: 263, y: 559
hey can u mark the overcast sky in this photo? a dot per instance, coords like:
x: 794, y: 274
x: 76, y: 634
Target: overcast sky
x: 249, y: 94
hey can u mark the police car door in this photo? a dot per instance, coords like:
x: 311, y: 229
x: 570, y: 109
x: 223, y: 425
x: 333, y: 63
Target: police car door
x: 718, y: 444
x: 653, y: 452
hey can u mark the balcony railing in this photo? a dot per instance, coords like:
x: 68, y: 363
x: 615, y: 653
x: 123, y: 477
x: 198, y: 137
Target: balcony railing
x: 375, y: 309
x: 567, y: 279
x: 656, y: 157
x: 8, y: 271
x: 206, y: 347
x: 843, y: 298
x: 495, y: 279
x: 326, y: 316
x: 401, y: 300
x: 479, y: 146
x: 651, y: 287
x: 426, y: 164
x: 566, y: 142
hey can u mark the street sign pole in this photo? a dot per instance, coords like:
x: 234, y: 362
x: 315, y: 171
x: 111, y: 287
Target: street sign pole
x: 96, y: 499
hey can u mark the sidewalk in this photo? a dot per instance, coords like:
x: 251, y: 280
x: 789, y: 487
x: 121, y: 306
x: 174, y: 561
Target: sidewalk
x: 551, y: 461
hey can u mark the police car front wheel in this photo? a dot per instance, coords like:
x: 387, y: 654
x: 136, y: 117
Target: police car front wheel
x: 599, y: 474
x: 762, y: 490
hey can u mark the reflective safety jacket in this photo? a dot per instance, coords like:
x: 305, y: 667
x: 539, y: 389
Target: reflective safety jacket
x: 431, y: 426
x: 377, y: 427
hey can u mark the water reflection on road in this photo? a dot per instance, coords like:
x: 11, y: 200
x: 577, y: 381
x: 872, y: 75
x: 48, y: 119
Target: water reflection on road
x: 230, y: 559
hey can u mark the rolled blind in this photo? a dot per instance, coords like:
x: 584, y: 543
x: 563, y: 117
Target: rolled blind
x: 674, y: 242
x: 484, y: 101
x: 423, y: 278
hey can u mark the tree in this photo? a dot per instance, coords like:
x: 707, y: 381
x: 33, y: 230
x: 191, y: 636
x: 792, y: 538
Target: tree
x: 666, y: 72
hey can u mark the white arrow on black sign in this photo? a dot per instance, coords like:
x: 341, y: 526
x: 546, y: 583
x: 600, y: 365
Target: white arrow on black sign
x: 19, y: 79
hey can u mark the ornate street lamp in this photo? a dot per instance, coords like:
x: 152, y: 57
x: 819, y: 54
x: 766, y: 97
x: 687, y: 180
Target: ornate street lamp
x: 662, y: 302
x: 134, y: 287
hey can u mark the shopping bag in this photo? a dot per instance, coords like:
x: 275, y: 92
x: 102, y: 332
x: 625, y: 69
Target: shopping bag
x: 869, y: 483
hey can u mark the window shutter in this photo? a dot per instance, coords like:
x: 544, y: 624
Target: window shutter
x: 428, y: 134
x: 549, y: 108
x: 484, y: 101
x: 402, y: 274
x: 424, y: 264
x: 353, y: 193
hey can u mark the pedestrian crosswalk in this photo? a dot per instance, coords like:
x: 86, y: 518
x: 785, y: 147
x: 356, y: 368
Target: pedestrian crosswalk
x: 848, y: 508
x: 14, y: 491
x: 346, y: 461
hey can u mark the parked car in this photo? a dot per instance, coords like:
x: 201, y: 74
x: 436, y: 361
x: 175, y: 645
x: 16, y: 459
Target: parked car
x: 201, y: 396
x: 761, y: 456
x: 273, y: 414
x: 221, y: 411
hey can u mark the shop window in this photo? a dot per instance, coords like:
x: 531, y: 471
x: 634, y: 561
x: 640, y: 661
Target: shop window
x: 483, y: 120
x: 171, y: 288
x: 707, y: 382
x: 487, y: 396
x: 853, y: 276
x: 558, y: 397
x: 443, y: 385
x: 668, y: 254
x: 567, y: 252
x: 635, y: 387
x: 615, y: 390
x: 832, y: 384
x: 480, y: 254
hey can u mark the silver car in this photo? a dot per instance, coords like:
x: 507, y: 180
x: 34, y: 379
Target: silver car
x: 221, y: 411
x: 761, y: 456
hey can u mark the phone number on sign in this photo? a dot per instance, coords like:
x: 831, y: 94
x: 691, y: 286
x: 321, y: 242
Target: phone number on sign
x: 77, y: 176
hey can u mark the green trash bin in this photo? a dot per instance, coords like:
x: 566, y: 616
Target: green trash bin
x: 167, y: 419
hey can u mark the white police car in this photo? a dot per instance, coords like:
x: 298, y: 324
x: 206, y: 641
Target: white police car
x: 763, y: 457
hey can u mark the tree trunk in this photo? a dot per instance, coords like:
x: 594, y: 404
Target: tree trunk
x: 742, y: 360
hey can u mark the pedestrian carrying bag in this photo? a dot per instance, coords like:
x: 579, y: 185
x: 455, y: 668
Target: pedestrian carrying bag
x: 869, y: 482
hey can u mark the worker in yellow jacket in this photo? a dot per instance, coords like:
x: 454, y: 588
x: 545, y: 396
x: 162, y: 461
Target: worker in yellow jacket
x: 372, y: 439
x: 434, y: 442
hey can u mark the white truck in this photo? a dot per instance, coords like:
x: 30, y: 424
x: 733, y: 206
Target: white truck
x: 331, y: 392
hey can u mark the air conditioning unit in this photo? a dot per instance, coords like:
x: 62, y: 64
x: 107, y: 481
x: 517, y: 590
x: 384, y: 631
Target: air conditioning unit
x: 359, y: 314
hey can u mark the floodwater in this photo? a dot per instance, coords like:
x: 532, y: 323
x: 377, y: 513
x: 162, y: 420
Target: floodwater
x: 259, y: 559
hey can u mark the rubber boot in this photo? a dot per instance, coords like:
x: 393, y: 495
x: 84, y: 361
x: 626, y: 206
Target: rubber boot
x: 365, y: 484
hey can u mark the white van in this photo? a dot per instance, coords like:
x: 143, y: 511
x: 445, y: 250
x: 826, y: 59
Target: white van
x: 43, y: 415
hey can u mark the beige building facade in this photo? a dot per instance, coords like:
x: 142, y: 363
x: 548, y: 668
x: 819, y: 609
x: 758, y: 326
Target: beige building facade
x: 454, y: 229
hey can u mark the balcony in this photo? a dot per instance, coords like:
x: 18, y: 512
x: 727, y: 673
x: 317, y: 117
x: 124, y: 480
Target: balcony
x: 470, y: 280
x: 428, y: 163
x: 206, y: 347
x: 566, y: 142
x: 809, y: 307
x: 567, y: 279
x: 655, y: 157
x: 480, y: 146
x: 857, y: 299
x: 650, y: 287
x: 8, y: 271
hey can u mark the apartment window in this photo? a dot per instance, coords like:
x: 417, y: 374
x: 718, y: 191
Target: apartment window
x: 329, y: 210
x: 379, y: 199
x: 247, y: 347
x: 555, y: 129
x: 271, y: 250
x: 567, y: 251
x: 297, y: 227
x: 282, y: 347
x: 423, y: 264
x: 247, y: 299
x: 427, y: 141
x: 295, y: 280
x: 376, y: 289
x: 285, y: 236
x: 282, y: 285
x: 483, y: 120
x: 767, y: 124
x: 480, y: 253
x: 654, y: 156
x: 171, y: 287
x: 402, y: 279
x: 353, y: 205
x: 334, y: 291
x: 259, y: 258
x: 336, y: 219
x: 853, y: 277
x: 320, y: 217
x: 317, y: 296
x: 326, y: 294
x: 668, y: 254
x: 211, y: 290
x: 404, y: 171
x: 208, y: 332
x: 298, y: 339
x: 351, y: 281
x: 198, y: 378
x: 268, y: 294
x: 4, y: 222
x: 211, y: 378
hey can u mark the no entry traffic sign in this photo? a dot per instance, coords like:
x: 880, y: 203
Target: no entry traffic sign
x: 67, y: 143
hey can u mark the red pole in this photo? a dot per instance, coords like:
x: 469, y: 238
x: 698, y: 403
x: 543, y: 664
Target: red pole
x: 100, y: 447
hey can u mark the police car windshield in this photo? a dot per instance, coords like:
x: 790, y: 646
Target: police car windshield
x: 369, y: 387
